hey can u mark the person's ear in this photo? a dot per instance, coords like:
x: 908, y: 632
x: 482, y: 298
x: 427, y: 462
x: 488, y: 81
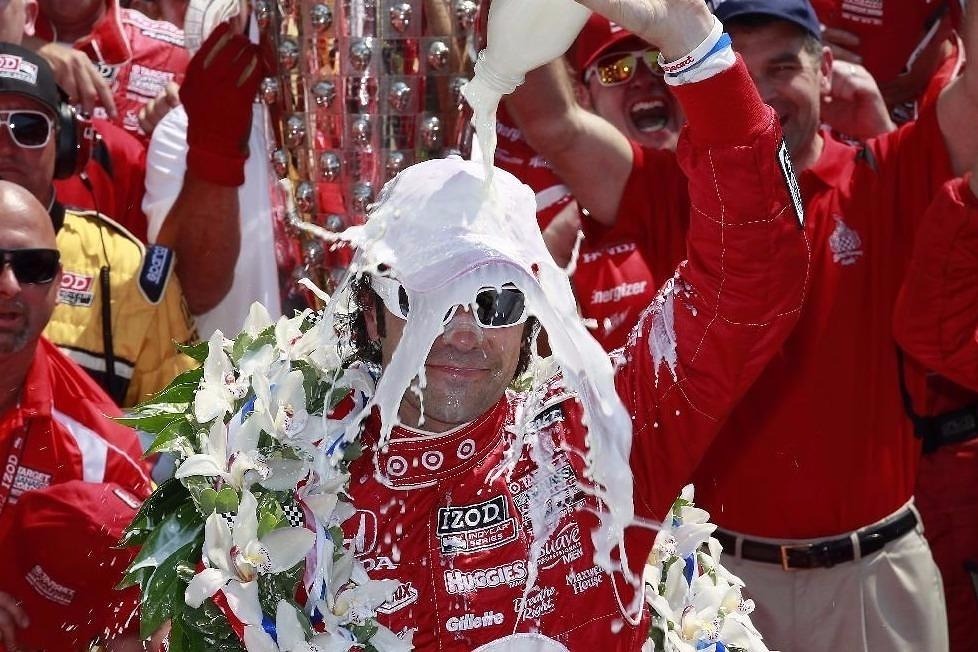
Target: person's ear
x: 825, y: 67
x: 30, y: 17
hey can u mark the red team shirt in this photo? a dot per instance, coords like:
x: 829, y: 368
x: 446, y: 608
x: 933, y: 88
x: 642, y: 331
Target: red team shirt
x: 117, y: 173
x: 619, y: 268
x: 62, y: 430
x: 820, y: 444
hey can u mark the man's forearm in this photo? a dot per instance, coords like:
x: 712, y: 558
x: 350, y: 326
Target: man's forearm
x: 573, y: 140
x: 203, y: 228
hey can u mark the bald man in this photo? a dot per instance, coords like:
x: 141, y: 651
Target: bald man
x: 55, y: 421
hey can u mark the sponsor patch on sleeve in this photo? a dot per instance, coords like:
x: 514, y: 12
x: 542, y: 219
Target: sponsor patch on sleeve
x: 791, y: 181
x: 155, y: 273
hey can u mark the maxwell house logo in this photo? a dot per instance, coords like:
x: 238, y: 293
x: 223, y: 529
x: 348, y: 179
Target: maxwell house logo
x: 14, y: 67
x: 76, y: 289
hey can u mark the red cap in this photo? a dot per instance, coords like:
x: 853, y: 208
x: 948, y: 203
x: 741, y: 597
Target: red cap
x: 60, y: 564
x: 889, y: 33
x: 598, y: 36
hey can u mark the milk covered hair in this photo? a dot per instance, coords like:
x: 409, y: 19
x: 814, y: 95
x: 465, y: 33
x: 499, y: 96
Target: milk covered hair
x: 444, y: 232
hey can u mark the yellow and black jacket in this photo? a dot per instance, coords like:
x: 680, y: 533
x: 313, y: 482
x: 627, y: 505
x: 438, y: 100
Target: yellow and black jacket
x: 147, y: 312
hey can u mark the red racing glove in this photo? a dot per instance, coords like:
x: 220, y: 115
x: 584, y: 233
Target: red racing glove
x: 217, y: 93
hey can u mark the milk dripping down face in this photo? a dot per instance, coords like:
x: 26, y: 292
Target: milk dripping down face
x: 444, y: 232
x: 467, y: 369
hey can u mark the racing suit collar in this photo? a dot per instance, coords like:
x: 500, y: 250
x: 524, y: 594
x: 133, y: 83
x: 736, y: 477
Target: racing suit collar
x: 414, y: 459
x: 36, y: 397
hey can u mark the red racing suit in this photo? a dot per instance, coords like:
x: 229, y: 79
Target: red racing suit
x: 137, y: 56
x: 62, y: 430
x: 456, y: 535
x: 937, y: 314
x: 936, y: 323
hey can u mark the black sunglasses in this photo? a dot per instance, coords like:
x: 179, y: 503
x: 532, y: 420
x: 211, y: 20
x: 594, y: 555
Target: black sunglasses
x: 31, y: 265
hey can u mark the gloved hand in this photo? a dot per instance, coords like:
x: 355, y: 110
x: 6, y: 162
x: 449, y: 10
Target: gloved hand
x: 217, y: 93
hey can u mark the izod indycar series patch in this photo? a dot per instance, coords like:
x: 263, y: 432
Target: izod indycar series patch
x: 470, y: 528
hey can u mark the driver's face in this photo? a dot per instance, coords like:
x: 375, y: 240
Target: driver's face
x: 467, y: 370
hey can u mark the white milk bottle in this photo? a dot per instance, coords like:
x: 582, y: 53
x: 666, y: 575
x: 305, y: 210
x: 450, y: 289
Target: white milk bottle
x: 521, y: 35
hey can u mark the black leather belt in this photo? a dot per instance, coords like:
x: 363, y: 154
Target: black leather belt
x: 823, y: 554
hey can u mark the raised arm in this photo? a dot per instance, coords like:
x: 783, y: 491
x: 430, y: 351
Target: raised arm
x: 957, y: 106
x: 202, y: 224
x: 726, y: 313
x: 574, y: 140
x: 936, y: 319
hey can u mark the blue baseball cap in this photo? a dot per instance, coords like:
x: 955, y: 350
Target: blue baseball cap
x: 799, y: 12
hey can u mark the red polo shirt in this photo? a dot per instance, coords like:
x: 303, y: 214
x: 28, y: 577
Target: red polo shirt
x: 117, y: 173
x: 820, y: 445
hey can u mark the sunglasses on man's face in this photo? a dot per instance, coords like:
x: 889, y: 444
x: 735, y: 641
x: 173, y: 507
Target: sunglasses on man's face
x: 492, y: 307
x: 29, y: 129
x: 619, y: 67
x: 31, y: 265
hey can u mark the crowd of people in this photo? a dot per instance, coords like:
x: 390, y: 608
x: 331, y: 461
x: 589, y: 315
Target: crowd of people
x: 804, y: 193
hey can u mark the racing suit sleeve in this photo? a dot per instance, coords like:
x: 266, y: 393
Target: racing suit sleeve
x: 714, y: 326
x: 936, y: 318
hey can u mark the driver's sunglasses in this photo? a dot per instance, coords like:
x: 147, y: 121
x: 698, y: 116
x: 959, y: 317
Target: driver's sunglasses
x: 31, y: 265
x: 492, y: 307
x: 619, y: 68
x: 29, y: 129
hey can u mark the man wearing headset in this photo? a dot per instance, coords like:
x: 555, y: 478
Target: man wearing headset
x: 119, y: 308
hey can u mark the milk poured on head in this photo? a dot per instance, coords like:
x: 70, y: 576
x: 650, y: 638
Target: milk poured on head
x: 444, y: 230
x: 521, y: 35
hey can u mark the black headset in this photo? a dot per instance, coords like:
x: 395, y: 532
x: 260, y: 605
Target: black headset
x: 75, y: 139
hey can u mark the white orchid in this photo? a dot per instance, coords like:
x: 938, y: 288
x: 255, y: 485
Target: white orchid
x: 280, y: 410
x: 234, y: 557
x: 228, y: 453
x: 221, y: 386
x: 384, y: 640
x: 697, y: 601
x: 291, y: 637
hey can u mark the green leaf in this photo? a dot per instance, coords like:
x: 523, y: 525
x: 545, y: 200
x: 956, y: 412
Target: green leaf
x: 207, y: 501
x: 267, y: 523
x: 163, y: 594
x: 180, y: 390
x: 270, y: 513
x: 209, y: 624
x: 352, y: 451
x: 154, y: 418
x: 273, y: 587
x: 196, y: 351
x: 336, y: 534
x: 183, y: 526
x: 227, y: 500
x: 240, y: 347
x: 167, y: 498
x: 172, y: 431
